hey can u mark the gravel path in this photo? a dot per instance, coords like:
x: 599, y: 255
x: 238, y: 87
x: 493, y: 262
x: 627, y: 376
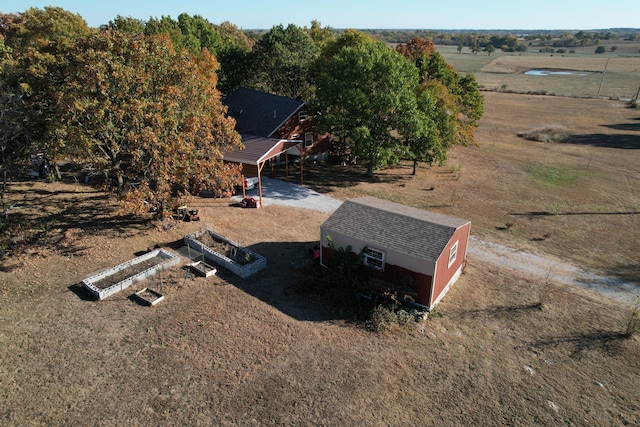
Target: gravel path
x: 548, y: 269
x: 276, y: 192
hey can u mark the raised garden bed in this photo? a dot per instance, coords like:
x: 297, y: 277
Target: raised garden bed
x: 203, y: 269
x: 226, y: 253
x: 149, y: 296
x: 115, y: 279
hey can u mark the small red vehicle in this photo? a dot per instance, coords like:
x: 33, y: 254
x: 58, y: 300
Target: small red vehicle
x: 249, y: 202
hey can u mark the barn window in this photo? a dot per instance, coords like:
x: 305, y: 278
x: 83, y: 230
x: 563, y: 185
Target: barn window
x: 374, y: 258
x: 308, y: 139
x: 453, y: 253
x: 302, y: 116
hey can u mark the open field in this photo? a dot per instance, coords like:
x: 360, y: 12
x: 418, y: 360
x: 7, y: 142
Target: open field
x: 264, y: 351
x: 504, y: 71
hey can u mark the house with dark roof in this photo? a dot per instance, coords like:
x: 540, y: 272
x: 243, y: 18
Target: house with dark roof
x: 266, y: 115
x: 273, y: 129
x: 419, y: 254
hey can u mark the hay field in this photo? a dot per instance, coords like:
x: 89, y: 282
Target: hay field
x: 504, y: 71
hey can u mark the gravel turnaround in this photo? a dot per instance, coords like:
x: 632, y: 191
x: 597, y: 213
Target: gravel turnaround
x: 277, y: 192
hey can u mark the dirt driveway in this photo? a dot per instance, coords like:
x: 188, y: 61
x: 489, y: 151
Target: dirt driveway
x: 278, y: 192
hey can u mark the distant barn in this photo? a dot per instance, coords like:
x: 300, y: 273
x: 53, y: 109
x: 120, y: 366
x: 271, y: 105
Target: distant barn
x: 417, y: 251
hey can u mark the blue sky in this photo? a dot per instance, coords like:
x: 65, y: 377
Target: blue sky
x: 422, y: 14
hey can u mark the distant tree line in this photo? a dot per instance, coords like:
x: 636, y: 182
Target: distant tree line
x: 453, y: 37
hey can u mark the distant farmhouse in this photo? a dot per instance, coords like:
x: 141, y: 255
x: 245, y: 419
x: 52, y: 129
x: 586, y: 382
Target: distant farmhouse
x: 417, y: 252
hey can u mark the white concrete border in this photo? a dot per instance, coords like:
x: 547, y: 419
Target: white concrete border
x: 88, y: 283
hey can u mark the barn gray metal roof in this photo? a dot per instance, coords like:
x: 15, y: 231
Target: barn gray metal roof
x: 260, y: 113
x: 386, y: 225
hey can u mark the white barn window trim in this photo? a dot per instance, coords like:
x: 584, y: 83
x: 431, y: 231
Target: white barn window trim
x: 453, y: 253
x: 374, y: 258
x: 308, y: 139
x: 302, y: 115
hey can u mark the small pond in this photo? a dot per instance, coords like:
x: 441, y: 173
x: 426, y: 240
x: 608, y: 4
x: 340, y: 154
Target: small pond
x: 556, y: 73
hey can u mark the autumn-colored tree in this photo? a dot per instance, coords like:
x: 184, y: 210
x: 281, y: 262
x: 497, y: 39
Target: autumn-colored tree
x: 416, y: 48
x: 40, y: 42
x: 12, y: 125
x: 149, y: 118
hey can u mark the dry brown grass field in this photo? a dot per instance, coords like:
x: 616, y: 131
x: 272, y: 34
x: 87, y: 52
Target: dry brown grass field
x: 263, y: 351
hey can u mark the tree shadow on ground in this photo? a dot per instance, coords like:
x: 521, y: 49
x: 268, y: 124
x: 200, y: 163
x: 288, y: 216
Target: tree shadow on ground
x: 620, y: 141
x: 609, y: 342
x: 501, y: 310
x: 324, y: 176
x: 42, y: 217
x: 625, y: 126
x: 537, y: 214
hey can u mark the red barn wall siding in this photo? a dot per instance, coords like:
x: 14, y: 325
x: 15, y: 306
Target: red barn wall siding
x: 415, y: 284
x: 293, y: 125
x: 444, y: 273
x: 403, y: 279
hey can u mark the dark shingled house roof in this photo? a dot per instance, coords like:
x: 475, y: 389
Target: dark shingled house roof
x: 260, y: 113
x: 383, y: 224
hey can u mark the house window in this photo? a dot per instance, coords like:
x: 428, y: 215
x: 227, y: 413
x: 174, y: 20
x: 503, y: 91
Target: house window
x: 453, y: 253
x: 302, y: 116
x: 374, y: 258
x: 295, y: 136
x: 308, y: 139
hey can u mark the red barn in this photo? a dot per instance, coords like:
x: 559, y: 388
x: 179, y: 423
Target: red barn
x: 419, y: 252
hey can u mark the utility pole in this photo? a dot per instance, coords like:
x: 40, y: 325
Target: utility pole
x: 604, y: 73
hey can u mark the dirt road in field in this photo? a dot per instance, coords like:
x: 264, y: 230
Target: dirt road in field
x: 276, y: 192
x: 547, y: 269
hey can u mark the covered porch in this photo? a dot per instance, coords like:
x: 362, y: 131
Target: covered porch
x: 256, y: 154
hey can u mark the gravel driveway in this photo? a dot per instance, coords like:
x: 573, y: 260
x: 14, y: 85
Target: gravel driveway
x: 277, y: 192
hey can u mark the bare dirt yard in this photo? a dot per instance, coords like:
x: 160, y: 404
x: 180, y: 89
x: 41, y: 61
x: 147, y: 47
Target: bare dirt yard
x: 500, y: 349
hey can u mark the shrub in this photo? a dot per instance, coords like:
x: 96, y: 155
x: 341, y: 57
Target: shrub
x: 382, y: 317
x: 633, y: 320
x: 547, y: 134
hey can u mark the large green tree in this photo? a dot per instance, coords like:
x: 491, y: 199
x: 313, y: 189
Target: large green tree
x: 150, y: 118
x: 234, y: 56
x: 282, y: 61
x: 366, y: 97
x: 231, y: 46
x: 457, y: 104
